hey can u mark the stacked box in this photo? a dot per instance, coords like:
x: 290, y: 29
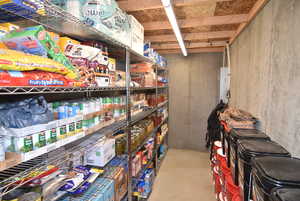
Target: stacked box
x: 101, y: 153
x: 137, y: 35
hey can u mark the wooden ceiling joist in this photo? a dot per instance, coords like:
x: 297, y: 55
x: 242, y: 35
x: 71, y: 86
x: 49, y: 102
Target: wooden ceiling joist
x: 198, y: 22
x: 138, y: 5
x: 192, y: 36
x: 253, y: 12
x: 191, y: 51
x: 188, y: 45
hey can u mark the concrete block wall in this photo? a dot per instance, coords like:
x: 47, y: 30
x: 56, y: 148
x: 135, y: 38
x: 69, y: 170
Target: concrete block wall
x: 194, y: 91
x: 266, y: 71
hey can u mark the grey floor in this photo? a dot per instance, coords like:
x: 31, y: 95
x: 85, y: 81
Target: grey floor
x: 184, y: 176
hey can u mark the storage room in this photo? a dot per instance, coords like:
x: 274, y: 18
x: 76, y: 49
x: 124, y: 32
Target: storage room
x: 158, y: 100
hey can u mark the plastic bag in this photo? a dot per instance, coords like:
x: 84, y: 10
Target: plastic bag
x: 35, y: 78
x: 35, y: 40
x: 29, y: 112
x: 19, y: 61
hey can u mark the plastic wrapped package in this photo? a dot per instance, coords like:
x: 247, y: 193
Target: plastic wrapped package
x: 89, y: 61
x: 25, y: 8
x: 36, y: 40
x: 19, y: 61
x: 35, y: 78
x: 31, y: 111
x: 106, y: 16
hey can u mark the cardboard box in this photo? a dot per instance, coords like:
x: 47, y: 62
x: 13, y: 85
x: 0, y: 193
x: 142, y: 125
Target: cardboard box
x: 136, y: 164
x: 137, y: 35
x: 120, y: 179
x: 101, y: 153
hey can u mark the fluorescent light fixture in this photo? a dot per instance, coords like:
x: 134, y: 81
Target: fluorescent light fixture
x: 172, y: 19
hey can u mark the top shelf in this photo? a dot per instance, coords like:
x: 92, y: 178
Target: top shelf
x: 64, y: 23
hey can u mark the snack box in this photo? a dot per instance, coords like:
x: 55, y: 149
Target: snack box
x: 103, y: 81
x: 36, y: 40
x: 101, y: 153
x: 136, y: 164
x: 112, y: 64
x: 65, y: 41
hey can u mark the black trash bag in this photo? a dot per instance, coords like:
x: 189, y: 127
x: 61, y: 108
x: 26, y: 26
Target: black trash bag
x: 213, y: 125
x: 29, y: 112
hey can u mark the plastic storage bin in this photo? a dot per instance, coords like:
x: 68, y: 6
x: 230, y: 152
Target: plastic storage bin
x: 247, y: 149
x: 286, y: 194
x: 234, y: 136
x: 270, y: 172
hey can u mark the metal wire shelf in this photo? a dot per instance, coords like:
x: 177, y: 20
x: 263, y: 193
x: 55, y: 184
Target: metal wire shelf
x: 60, y: 21
x: 40, y: 164
x: 11, y: 90
x: 40, y: 90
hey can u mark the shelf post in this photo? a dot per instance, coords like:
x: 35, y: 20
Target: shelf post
x: 128, y: 124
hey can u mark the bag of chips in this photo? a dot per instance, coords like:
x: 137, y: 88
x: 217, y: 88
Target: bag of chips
x: 19, y: 61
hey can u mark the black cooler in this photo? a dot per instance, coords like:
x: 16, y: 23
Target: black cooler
x: 273, y: 172
x: 247, y: 149
x: 234, y: 136
x: 286, y: 194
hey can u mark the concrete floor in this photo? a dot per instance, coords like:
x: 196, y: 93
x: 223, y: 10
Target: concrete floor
x: 184, y: 176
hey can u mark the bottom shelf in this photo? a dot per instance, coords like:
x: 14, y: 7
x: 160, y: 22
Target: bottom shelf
x: 160, y: 162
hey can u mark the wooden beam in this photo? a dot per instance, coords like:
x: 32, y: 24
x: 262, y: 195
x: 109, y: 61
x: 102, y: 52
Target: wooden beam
x: 253, y: 12
x: 163, y: 46
x: 198, y: 22
x: 192, y: 36
x: 138, y: 5
x: 191, y: 51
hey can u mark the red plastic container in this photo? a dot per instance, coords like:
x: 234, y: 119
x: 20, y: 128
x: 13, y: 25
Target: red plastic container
x: 231, y: 189
x: 216, y: 177
x: 236, y: 197
x: 221, y: 158
x: 225, y: 171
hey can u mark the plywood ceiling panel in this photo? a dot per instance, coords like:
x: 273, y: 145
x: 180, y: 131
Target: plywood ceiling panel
x: 205, y: 9
x: 234, y: 7
x: 225, y: 27
x: 152, y: 16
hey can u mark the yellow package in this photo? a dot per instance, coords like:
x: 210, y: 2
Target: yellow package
x: 10, y: 26
x: 112, y: 64
x: 55, y: 37
x: 2, y: 46
x: 19, y: 61
x: 65, y: 41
